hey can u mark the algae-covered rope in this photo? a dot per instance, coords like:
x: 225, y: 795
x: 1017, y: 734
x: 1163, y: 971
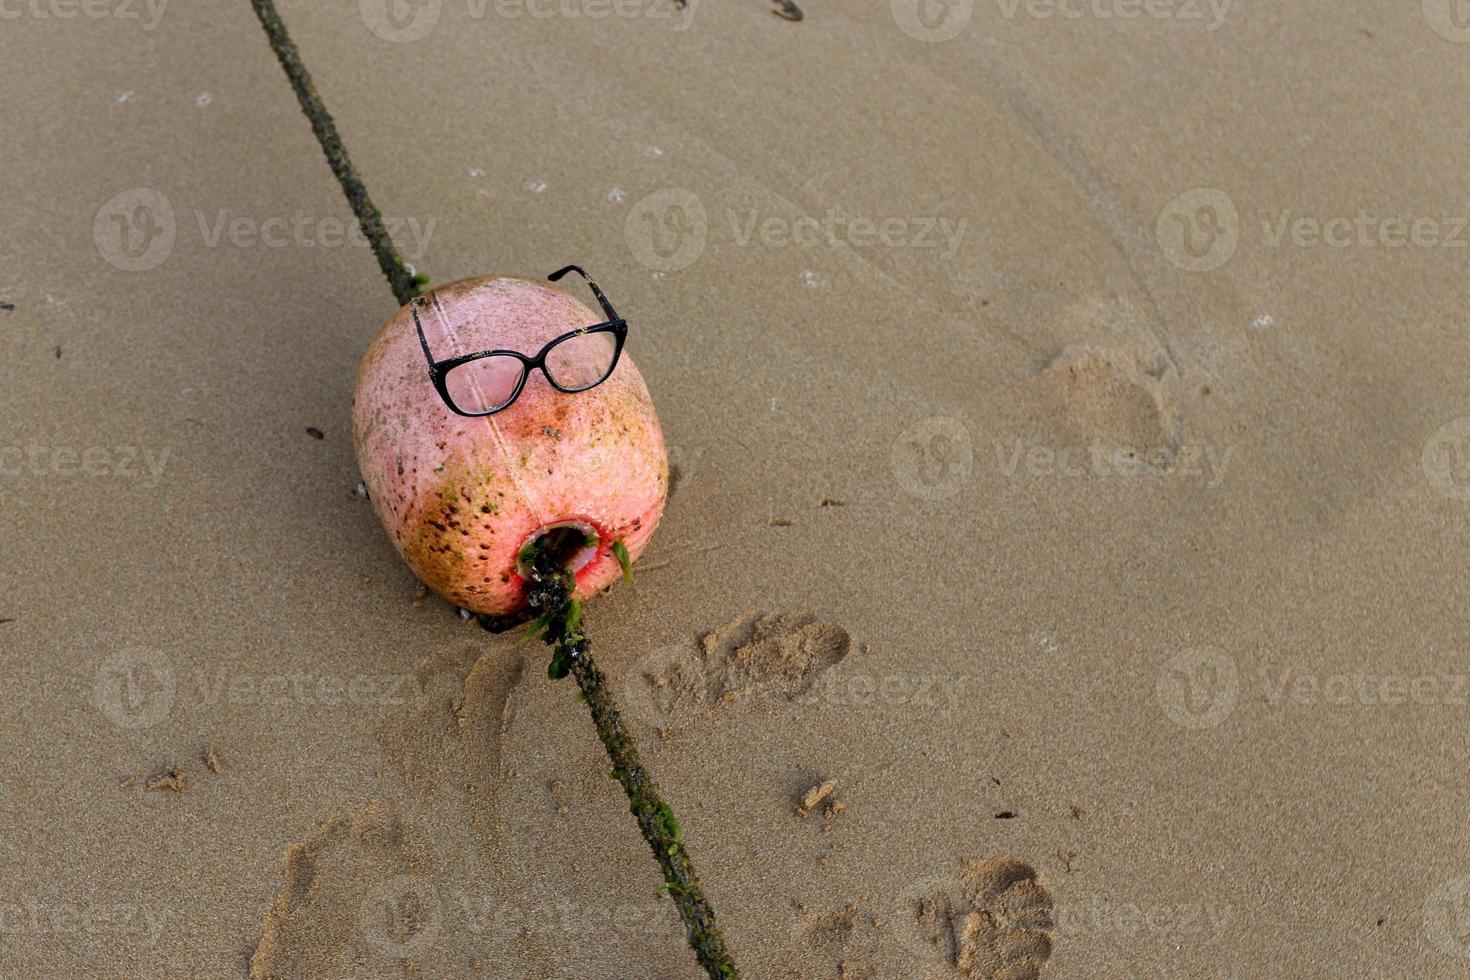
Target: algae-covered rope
x: 550, y: 593
x: 405, y: 284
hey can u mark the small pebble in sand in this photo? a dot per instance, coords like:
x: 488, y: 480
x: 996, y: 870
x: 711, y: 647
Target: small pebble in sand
x: 128, y: 783
x: 203, y: 100
x: 172, y: 779
x: 781, y: 522
x: 814, y: 797
x: 211, y: 759
x: 315, y: 433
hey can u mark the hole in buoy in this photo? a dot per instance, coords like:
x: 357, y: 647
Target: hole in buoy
x: 572, y: 544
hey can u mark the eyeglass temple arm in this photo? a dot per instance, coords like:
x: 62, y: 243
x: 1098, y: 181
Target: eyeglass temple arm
x: 606, y: 306
x: 413, y: 307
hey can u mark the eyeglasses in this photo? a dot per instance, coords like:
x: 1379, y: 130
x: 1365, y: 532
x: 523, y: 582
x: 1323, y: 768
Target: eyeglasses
x: 488, y: 382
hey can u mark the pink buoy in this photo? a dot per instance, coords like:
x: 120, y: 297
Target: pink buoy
x: 461, y: 496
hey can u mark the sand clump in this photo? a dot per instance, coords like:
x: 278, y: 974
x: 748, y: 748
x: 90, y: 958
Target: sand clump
x: 813, y: 797
x: 172, y: 779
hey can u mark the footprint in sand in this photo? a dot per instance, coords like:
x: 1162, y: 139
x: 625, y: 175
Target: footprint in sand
x: 357, y: 894
x: 1109, y: 397
x: 771, y: 656
x: 995, y: 923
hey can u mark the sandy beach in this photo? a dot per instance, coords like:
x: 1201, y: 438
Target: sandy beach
x: 1068, y: 427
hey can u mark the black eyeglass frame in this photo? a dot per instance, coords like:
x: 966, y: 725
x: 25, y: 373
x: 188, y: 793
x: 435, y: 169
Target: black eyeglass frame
x: 439, y: 370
